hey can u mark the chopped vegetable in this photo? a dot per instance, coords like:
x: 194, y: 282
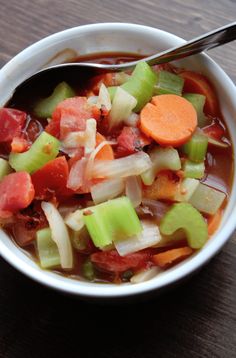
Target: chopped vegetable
x: 16, y: 193
x: 134, y: 164
x: 103, y: 98
x: 45, y: 107
x: 184, y: 216
x: 44, y: 149
x: 115, y: 219
x: 12, y: 122
x: 168, y: 83
x: 59, y: 234
x: 196, y: 147
x: 149, y: 236
x: 106, y: 190
x: 145, y: 275
x: 193, y: 170
x: 162, y: 158
x: 169, y: 119
x: 165, y: 187
x: 206, y: 199
x: 47, y: 249
x: 198, y: 102
x: 5, y: 168
x: 171, y: 256
x: 186, y: 189
x: 133, y: 190
x: 130, y: 141
x: 88, y: 270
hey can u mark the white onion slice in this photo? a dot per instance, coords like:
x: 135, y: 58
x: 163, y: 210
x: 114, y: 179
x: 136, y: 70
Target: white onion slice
x: 149, y: 236
x: 107, y: 190
x: 103, y: 98
x: 90, y: 135
x: 59, y: 234
x: 132, y: 120
x: 134, y: 164
x: 157, y: 208
x: 92, y: 100
x: 77, y: 174
x: 122, y: 105
x: 75, y: 220
x: 133, y: 189
x: 145, y: 275
x: 92, y: 156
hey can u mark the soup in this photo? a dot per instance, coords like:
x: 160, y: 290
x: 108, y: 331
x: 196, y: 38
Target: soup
x: 114, y: 177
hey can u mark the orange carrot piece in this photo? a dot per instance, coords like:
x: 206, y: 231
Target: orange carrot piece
x: 169, y: 119
x: 214, y: 221
x: 163, y: 188
x: 106, y: 153
x: 168, y: 257
x: 197, y: 83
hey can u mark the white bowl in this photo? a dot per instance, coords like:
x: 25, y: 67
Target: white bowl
x: 124, y: 38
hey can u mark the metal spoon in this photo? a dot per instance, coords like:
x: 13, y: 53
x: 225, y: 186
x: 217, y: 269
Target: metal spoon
x: 70, y: 71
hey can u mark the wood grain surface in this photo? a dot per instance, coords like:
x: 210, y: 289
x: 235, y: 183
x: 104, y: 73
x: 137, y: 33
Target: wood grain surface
x: 197, y: 319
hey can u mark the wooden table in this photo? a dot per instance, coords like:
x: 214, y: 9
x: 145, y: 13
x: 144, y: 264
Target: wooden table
x: 197, y: 319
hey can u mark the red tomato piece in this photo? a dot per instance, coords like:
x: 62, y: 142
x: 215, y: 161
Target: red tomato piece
x: 214, y: 130
x: 197, y: 83
x: 19, y: 145
x: 16, y: 192
x: 51, y: 179
x: 111, y: 261
x: 11, y: 123
x: 130, y: 140
x: 53, y: 128
x: 72, y: 114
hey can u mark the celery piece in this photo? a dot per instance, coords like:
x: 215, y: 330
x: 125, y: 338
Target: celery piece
x: 194, y: 170
x: 112, y: 220
x: 4, y: 168
x: 196, y: 147
x: 184, y: 216
x: 162, y: 158
x: 198, y: 102
x: 168, y: 82
x: 88, y: 270
x: 80, y: 239
x: 141, y: 84
x: 186, y: 189
x: 47, y: 249
x: 45, y: 106
x: 44, y: 149
x: 206, y: 199
x: 112, y: 91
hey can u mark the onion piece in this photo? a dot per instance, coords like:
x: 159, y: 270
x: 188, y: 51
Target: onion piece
x: 133, y: 189
x: 132, y: 120
x: 92, y: 156
x: 92, y: 100
x: 75, y: 220
x: 157, y: 208
x: 122, y: 105
x: 103, y: 98
x: 145, y: 275
x: 134, y: 164
x: 77, y: 174
x: 149, y: 236
x: 106, y: 190
x: 59, y: 234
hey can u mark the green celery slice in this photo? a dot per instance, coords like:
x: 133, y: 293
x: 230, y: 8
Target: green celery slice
x: 162, y: 158
x: 168, y: 82
x: 5, y: 168
x: 112, y: 220
x: 141, y: 84
x: 193, y: 170
x: 44, y: 149
x: 184, y: 216
x: 196, y: 147
x: 206, y: 199
x: 198, y: 102
x: 45, y: 107
x: 47, y: 249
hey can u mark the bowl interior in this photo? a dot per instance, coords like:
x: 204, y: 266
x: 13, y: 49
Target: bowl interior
x: 118, y: 38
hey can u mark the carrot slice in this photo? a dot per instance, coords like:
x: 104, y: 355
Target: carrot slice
x: 164, y: 187
x: 214, y: 221
x: 106, y: 153
x: 197, y: 83
x: 168, y: 257
x: 169, y: 119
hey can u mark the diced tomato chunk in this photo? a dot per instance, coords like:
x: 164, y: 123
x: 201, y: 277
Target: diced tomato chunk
x: 214, y: 130
x: 16, y: 192
x: 197, y: 83
x: 53, y: 128
x: 111, y: 261
x: 11, y: 123
x: 51, y: 179
x: 130, y: 140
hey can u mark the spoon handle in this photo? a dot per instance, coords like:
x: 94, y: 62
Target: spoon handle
x: 207, y: 41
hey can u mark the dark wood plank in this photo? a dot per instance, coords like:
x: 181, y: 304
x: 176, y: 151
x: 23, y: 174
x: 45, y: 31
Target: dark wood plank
x: 197, y: 319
